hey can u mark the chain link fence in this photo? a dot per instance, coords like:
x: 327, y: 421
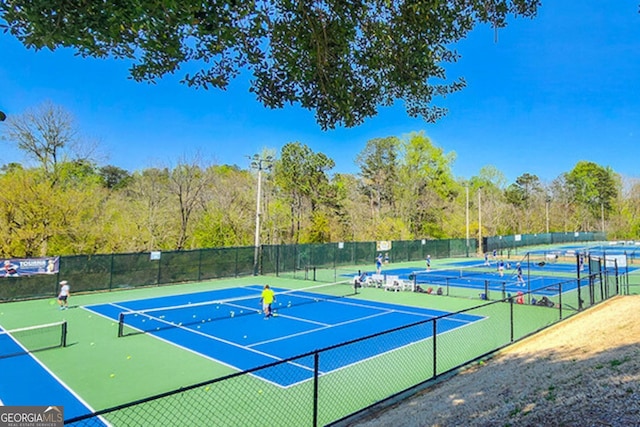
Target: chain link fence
x: 350, y: 378
x: 90, y: 273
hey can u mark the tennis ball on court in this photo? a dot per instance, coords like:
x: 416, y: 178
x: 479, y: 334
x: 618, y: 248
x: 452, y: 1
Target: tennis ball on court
x: 244, y: 336
x: 207, y: 388
x: 194, y: 316
x: 92, y: 343
x: 128, y: 357
x: 112, y: 376
x: 259, y: 391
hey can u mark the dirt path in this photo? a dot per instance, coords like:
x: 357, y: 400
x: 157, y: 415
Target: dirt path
x: 582, y: 372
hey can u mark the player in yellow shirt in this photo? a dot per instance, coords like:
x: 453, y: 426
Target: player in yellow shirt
x: 268, y: 297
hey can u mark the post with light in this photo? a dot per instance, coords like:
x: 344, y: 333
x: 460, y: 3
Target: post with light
x: 467, y: 212
x: 259, y: 163
x: 480, y: 221
x: 547, y: 201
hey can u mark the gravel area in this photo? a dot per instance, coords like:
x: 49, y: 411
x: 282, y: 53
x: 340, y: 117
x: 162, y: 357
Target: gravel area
x: 582, y: 372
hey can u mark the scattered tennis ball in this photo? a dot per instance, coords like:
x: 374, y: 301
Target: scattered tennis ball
x: 259, y: 391
x: 244, y: 336
x: 194, y: 316
x: 92, y: 343
x: 207, y: 388
x: 128, y: 357
x: 112, y: 376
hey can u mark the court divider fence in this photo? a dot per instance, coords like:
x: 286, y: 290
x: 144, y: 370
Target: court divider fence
x: 421, y: 355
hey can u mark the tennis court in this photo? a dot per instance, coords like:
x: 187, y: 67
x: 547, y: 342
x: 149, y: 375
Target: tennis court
x: 470, y: 275
x: 26, y: 379
x: 227, y: 326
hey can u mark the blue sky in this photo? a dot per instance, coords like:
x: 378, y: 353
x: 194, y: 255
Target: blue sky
x: 550, y: 92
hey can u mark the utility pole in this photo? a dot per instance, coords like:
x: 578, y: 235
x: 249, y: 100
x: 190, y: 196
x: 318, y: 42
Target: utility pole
x: 259, y: 163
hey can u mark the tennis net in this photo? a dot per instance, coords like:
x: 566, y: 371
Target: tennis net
x: 156, y: 319
x: 423, y: 276
x: 20, y: 341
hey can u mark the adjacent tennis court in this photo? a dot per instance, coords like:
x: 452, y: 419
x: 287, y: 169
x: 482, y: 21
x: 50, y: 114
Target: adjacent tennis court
x: 26, y: 379
x: 227, y: 326
x: 470, y: 275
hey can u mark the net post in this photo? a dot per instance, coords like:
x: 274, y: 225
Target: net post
x: 63, y: 338
x: 486, y: 289
x: 121, y: 325
x: 560, y: 299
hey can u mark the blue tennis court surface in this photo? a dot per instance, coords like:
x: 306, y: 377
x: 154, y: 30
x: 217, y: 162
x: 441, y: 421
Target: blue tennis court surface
x: 459, y: 275
x: 27, y: 382
x: 231, y: 330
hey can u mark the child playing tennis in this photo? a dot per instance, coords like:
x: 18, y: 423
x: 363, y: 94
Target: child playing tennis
x: 268, y: 297
x: 63, y: 296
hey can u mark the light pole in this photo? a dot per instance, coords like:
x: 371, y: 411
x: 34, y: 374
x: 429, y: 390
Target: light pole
x: 547, y: 201
x: 259, y: 163
x: 480, y: 221
x: 467, y: 193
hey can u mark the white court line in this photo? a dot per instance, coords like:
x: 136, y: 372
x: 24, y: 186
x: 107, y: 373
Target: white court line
x: 327, y: 326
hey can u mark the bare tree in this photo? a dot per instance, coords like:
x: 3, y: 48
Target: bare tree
x: 48, y: 135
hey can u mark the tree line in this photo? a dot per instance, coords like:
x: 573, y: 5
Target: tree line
x: 64, y: 202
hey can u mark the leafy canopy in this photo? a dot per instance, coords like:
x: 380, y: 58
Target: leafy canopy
x: 342, y: 59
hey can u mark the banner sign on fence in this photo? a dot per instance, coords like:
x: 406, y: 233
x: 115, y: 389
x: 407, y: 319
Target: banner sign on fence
x: 15, y: 267
x: 383, y: 245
